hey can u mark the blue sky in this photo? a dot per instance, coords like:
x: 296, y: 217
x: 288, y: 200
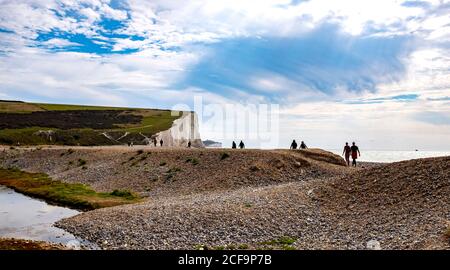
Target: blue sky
x: 372, y: 71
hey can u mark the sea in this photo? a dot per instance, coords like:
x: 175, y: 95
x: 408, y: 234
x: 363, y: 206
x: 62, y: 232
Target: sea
x: 393, y: 156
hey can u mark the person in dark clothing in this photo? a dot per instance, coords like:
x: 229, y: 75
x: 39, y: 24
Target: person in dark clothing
x: 155, y: 142
x: 293, y: 145
x: 189, y: 144
x: 241, y: 145
x: 233, y: 145
x: 355, y: 153
x: 303, y: 145
x: 346, y: 153
x: 161, y: 142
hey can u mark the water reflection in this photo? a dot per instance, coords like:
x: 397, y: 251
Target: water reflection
x: 27, y: 218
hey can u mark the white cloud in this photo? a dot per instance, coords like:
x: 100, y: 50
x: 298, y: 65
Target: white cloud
x: 59, y: 43
x: 145, y: 78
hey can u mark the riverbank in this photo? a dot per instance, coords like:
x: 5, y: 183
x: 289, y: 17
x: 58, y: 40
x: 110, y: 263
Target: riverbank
x: 77, y: 196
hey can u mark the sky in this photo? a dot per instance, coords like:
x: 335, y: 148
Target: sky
x: 374, y: 72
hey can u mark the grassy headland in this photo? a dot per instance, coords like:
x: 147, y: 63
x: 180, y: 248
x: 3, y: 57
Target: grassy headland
x: 35, y: 124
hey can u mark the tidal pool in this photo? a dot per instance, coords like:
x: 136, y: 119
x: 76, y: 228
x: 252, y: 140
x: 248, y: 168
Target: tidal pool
x: 28, y: 218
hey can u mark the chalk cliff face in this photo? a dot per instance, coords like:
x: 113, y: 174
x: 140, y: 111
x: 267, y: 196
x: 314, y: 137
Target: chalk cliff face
x: 183, y: 130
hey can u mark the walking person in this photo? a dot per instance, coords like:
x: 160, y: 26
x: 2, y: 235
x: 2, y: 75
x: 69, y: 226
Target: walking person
x: 346, y: 153
x: 155, y: 142
x: 233, y: 145
x: 161, y: 142
x: 241, y: 145
x: 293, y: 145
x: 189, y: 144
x: 303, y: 145
x: 355, y: 153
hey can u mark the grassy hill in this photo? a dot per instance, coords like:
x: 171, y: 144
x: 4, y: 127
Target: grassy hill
x: 34, y: 124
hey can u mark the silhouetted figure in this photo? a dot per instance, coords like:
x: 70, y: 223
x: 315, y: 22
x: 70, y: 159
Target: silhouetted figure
x: 161, y: 142
x: 241, y: 145
x: 303, y: 145
x: 233, y: 145
x: 189, y: 144
x: 293, y: 145
x: 155, y: 142
x: 355, y: 153
x: 346, y: 153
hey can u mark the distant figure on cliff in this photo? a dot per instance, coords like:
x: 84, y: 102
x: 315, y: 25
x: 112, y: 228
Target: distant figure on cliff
x: 155, y: 142
x: 346, y: 153
x: 189, y: 144
x: 303, y: 145
x: 355, y: 153
x: 241, y: 145
x: 233, y: 145
x: 161, y: 142
x: 293, y: 145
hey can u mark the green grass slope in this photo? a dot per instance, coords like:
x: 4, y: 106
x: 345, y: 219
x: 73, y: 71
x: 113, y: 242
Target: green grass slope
x: 24, y: 123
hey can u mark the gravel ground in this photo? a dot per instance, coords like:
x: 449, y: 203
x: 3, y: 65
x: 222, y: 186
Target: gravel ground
x: 170, y: 171
x: 399, y: 206
x: 254, y: 199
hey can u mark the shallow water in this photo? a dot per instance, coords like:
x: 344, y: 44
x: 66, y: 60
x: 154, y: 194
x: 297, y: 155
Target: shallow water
x: 27, y: 218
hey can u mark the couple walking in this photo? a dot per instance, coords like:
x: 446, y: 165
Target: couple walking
x: 294, y: 145
x: 353, y: 151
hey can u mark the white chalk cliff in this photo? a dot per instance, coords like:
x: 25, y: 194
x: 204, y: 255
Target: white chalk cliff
x: 183, y: 130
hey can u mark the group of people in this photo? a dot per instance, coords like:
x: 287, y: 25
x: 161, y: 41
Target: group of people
x: 294, y: 145
x: 241, y: 145
x: 351, y: 151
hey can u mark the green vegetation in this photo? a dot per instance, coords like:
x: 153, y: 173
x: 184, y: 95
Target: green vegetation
x: 232, y: 247
x: 170, y: 174
x: 152, y: 121
x: 22, y: 135
x: 18, y: 107
x: 194, y: 161
x: 447, y: 232
x: 66, y: 107
x: 243, y: 246
x: 224, y: 156
x: 123, y: 193
x: 76, y: 196
x: 284, y: 242
x: 81, y: 162
x: 174, y: 170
